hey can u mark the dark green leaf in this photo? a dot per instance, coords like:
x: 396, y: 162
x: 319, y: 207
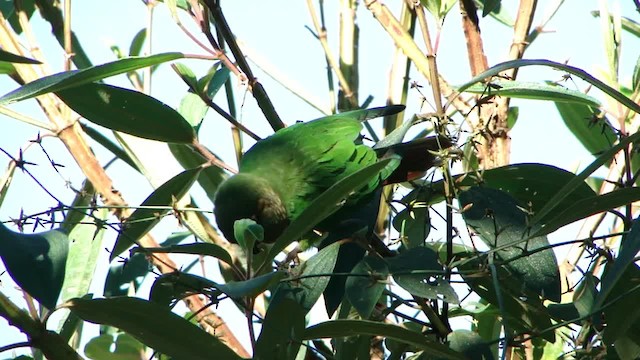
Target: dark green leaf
x: 366, y: 283
x: 587, y: 207
x: 520, y: 309
x: 512, y: 64
x: 142, y: 220
x: 581, y: 306
x: 590, y: 128
x: 129, y: 111
x: 503, y: 226
x: 623, y: 314
x: 204, y: 249
x: 281, y: 331
x: 341, y: 328
x: 532, y: 185
x: 36, y: 262
x: 148, y: 322
x: 65, y: 80
x: 217, y: 81
x: 533, y: 91
x: 372, y: 113
x: 470, y: 344
x: 138, y: 42
x: 307, y: 291
x: 252, y: 287
x: 417, y: 270
x: 627, y: 256
x: 13, y: 58
x: 168, y: 288
x: 114, y: 347
x: 186, y: 74
x: 413, y: 225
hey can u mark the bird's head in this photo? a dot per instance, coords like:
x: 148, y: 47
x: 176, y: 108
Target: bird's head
x: 244, y: 196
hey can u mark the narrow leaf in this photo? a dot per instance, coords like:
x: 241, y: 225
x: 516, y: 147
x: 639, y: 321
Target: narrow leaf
x: 142, y: 220
x: 149, y: 322
x: 13, y: 58
x: 128, y: 111
x: 65, y: 80
x: 343, y: 328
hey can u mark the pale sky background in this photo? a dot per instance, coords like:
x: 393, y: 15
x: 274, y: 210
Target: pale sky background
x: 276, y: 30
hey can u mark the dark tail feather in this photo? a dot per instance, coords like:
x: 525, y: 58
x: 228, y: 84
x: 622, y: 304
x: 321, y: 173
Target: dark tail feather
x: 417, y: 157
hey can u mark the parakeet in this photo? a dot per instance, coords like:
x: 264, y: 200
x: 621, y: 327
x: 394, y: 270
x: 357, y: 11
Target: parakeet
x: 282, y: 174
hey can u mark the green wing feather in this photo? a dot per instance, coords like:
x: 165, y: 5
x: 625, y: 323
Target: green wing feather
x: 305, y: 159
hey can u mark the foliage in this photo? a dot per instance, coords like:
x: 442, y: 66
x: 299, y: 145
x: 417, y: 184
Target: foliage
x: 419, y: 276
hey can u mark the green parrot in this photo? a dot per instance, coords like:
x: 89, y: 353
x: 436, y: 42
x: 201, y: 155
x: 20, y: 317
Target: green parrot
x: 282, y: 174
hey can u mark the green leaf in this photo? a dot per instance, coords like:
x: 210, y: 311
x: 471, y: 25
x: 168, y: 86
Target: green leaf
x: 586, y: 207
x: 366, y: 283
x: 217, y: 81
x: 248, y: 233
x: 533, y: 91
x: 590, y: 128
x: 138, y: 42
x: 142, y: 220
x: 13, y: 58
x: 85, y: 246
x: 532, y: 185
x: 252, y: 287
x: 520, y: 309
x: 418, y: 271
x: 470, y: 344
x: 512, y: 64
x: 114, y: 347
x: 627, y: 256
x: 169, y: 288
x: 371, y: 113
x: 193, y: 109
x: 623, y: 315
x: 36, y: 262
x: 495, y: 9
x: 342, y: 328
x: 570, y: 186
x: 186, y: 74
x: 307, y: 291
x: 68, y: 79
x: 5, y: 182
x: 148, y: 322
x: 413, y: 224
x: 281, y: 330
x: 327, y: 203
x: 503, y: 226
x: 204, y: 249
x: 129, y: 111
x: 581, y: 306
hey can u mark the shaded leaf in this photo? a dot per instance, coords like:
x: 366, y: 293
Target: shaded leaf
x: 341, y: 328
x: 204, y: 249
x: 138, y: 42
x: 13, y: 58
x: 128, y: 111
x: 114, y: 347
x: 148, y: 322
x: 142, y: 220
x: 68, y: 79
x: 281, y: 331
x: 470, y: 344
x: 533, y: 91
x: 307, y: 290
x: 248, y: 233
x: 36, y: 262
x: 413, y: 224
x: 418, y: 271
x: 366, y: 283
x: 503, y: 226
x: 588, y: 126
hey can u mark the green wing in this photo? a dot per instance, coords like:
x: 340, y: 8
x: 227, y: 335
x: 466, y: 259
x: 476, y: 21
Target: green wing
x: 305, y: 159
